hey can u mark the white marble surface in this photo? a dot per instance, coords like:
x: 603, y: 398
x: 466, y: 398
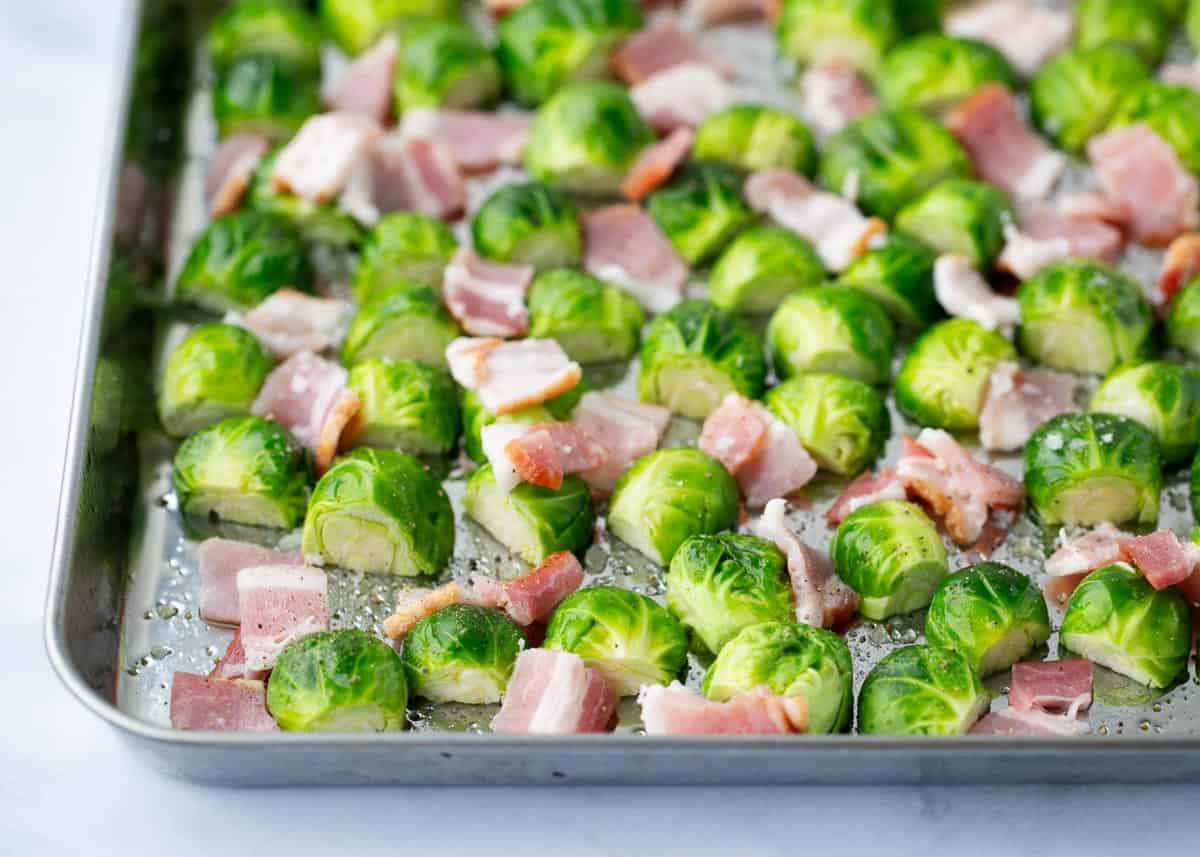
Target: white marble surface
x: 67, y: 784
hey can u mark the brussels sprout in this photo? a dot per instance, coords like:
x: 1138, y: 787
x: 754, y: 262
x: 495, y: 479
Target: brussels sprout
x: 890, y: 553
x: 530, y: 224
x: 1192, y: 23
x: 239, y: 260
x: 694, y: 354
x: 1183, y: 321
x: 630, y: 638
x: 1091, y: 468
x: 830, y: 329
x: 756, y: 137
x: 700, y: 209
x: 719, y: 584
x: 894, y: 156
x: 761, y: 267
x: 443, y: 63
x: 546, y: 44
x: 944, y: 377
x: 814, y: 32
x: 1075, y: 95
x: 1162, y: 396
x: 585, y: 138
x: 338, y: 681
x: 1138, y: 25
x: 531, y: 521
x: 380, y: 511
x: 669, y: 496
x: 592, y: 320
x: 1115, y: 618
x: 243, y: 470
x: 990, y: 613
x: 462, y: 653
x: 404, y: 321
x: 406, y: 406
x: 1172, y: 111
x: 476, y: 417
x: 265, y: 27
x: 898, y: 274
x: 917, y: 16
x: 935, y: 71
x: 264, y: 94
x: 843, y: 423
x: 789, y: 659
x: 357, y: 24
x: 403, y: 246
x: 117, y: 406
x: 960, y: 216
x: 1083, y: 316
x: 318, y: 222
x: 214, y: 373
x: 921, y: 690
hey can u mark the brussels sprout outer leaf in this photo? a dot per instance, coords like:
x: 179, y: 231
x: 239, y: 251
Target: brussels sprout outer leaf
x: 921, y: 690
x: 462, y: 653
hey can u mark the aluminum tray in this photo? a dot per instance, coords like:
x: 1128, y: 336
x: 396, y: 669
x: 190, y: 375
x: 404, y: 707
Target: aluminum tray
x: 121, y: 607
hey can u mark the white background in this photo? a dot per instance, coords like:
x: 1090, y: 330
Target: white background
x: 67, y: 785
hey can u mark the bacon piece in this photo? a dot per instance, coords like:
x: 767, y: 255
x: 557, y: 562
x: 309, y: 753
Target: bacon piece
x: 531, y: 597
x: 1094, y: 205
x: 660, y: 46
x: 1054, y: 687
x: 289, y: 321
x: 318, y: 161
x: 277, y: 604
x: 548, y: 451
x: 554, y: 693
x: 415, y: 604
x: 1092, y: 550
x: 219, y: 705
x: 833, y: 94
x: 624, y: 245
x: 414, y: 174
x: 675, y: 710
x: 494, y: 440
x: 476, y: 141
x: 1189, y: 588
x: 487, y: 298
x: 1049, y: 234
x: 962, y: 291
x: 656, y: 163
x: 230, y: 171
x: 1180, y: 266
x: 220, y: 562
x: 864, y: 490
x: 682, y: 95
x: 509, y: 376
x: 1160, y: 558
x: 711, y: 12
x: 626, y: 429
x: 1027, y: 724
x: 365, y: 86
x: 1027, y: 34
x: 735, y: 433
x: 233, y: 663
x: 1018, y: 401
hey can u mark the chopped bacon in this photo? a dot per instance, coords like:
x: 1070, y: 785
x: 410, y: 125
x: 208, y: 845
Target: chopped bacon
x: 532, y: 596
x: 1018, y: 401
x: 220, y: 562
x: 219, y: 705
x: 1049, y: 234
x: 415, y: 604
x: 864, y: 490
x: 1189, y: 588
x: 487, y: 298
x: 660, y: 46
x: 1014, y: 723
x: 290, y: 321
x: 623, y: 244
x: 318, y: 161
x: 365, y: 86
x: 963, y: 292
x: 1180, y: 266
x: 656, y: 163
x: 1054, y: 687
x: 509, y: 376
x: 1027, y: 34
x: 414, y: 174
x: 676, y: 710
x: 682, y: 95
x: 277, y: 604
x: 1094, y: 205
x: 1160, y: 557
x: 500, y: 8
x: 1181, y: 74
x: 735, y: 433
x: 476, y: 141
x: 626, y: 429
x: 494, y: 440
x: 834, y: 94
x: 711, y: 12
x: 230, y: 170
x: 233, y: 663
x: 1092, y: 550
x: 555, y: 693
x: 546, y: 452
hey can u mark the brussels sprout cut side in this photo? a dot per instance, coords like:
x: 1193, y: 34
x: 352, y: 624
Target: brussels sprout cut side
x: 761, y: 267
x: 830, y: 329
x: 1075, y: 95
x: 813, y: 32
x: 406, y: 406
x: 900, y: 276
x: 755, y: 137
x: 462, y: 653
x: 933, y: 71
x: 214, y: 373
x: 843, y: 423
x: 921, y: 690
x: 593, y: 321
x: 700, y: 209
x: 1162, y: 396
x: 357, y: 24
x: 960, y: 216
x: 529, y: 224
x: 403, y: 246
x: 405, y: 321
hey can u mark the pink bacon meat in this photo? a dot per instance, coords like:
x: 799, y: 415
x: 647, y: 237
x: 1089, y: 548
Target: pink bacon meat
x: 476, y: 141
x: 864, y: 490
x: 487, y: 298
x: 220, y: 562
x: 318, y: 161
x: 676, y: 710
x: 626, y: 429
x: 555, y: 693
x: 660, y: 46
x: 233, y: 663
x: 546, y: 452
x: 623, y: 244
x: 277, y: 604
x: 834, y: 94
x: 1160, y: 557
x: 682, y: 95
x: 365, y: 87
x: 1027, y: 34
x: 230, y: 171
x: 290, y: 321
x: 219, y: 705
x: 509, y: 376
x: 1020, y: 400
x: 1055, y: 687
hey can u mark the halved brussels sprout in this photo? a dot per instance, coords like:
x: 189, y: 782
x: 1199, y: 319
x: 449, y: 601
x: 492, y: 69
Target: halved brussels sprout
x: 321, y: 223
x: 1075, y: 95
x: 240, y: 259
x: 1115, y: 618
x: 843, y: 423
x: 990, y: 613
x: 892, y: 157
x: 462, y: 653
x: 406, y: 406
x: 403, y: 246
x: 119, y: 404
x: 380, y: 511
x: 756, y: 137
x: 718, y: 585
x: 264, y: 94
x: 789, y: 659
x: 1162, y: 396
x: 898, y: 274
x: 1083, y: 316
x: 444, y: 63
x: 1183, y: 321
x: 694, y: 354
x: 214, y: 373
x: 264, y: 27
x: 830, y: 329
x: 475, y: 416
x: 960, y: 216
x: 585, y: 138
x: 630, y: 638
x: 891, y: 554
x: 700, y: 209
x: 404, y: 321
x: 1192, y: 23
x: 1172, y: 110
x: 1141, y: 26
x: 859, y: 32
x: 921, y: 690
x: 531, y: 521
x: 944, y: 377
x: 761, y: 267
x: 669, y: 496
x: 338, y: 681
x: 357, y: 24
x: 530, y: 224
x: 243, y: 470
x: 592, y: 320
x: 934, y: 71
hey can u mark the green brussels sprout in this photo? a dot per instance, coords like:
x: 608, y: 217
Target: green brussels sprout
x: 756, y: 137
x: 403, y: 246
x: 842, y: 422
x: 546, y: 44
x: 943, y: 379
x: 1162, y: 396
x: 404, y: 321
x: 894, y: 156
x: 1192, y: 23
x: 1136, y: 24
x: 960, y: 216
x: 917, y: 16
x: 585, y: 138
x: 1183, y: 320
x: 320, y: 223
x: 380, y: 511
x: 630, y: 638
x: 1115, y: 618
x: 444, y: 63
x: 859, y: 32
x: 476, y: 417
x: 243, y: 470
x: 532, y: 521
x: 934, y: 71
x: 214, y: 373
x: 830, y: 329
x: 700, y: 209
x: 264, y: 94
x: 1091, y: 468
x: 717, y: 585
x: 357, y: 24
x: 239, y: 260
x: 117, y: 406
x: 921, y: 690
x: 592, y: 320
x: 338, y: 681
x: 990, y: 613
x: 669, y: 496
x: 898, y: 274
x: 265, y: 27
x: 1172, y: 110
x: 1075, y: 95
x: 761, y: 267
x: 1083, y: 316
x: 695, y: 354
x: 789, y: 659
x: 529, y: 224
x: 462, y: 653
x: 406, y: 406
x: 890, y: 553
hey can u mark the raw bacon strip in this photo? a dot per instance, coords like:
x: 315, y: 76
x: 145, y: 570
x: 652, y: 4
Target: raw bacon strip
x: 230, y: 170
x: 415, y: 604
x: 656, y: 163
x: 1160, y: 557
x: 675, y: 710
x: 277, y: 604
x: 233, y: 662
x: 494, y: 440
x: 211, y: 704
x: 682, y: 95
x: 864, y: 490
x: 532, y: 596
x: 1025, y: 254
x: 318, y: 161
x: 487, y: 298
x: 660, y: 46
x: 220, y: 562
x: 833, y: 94
x: 623, y: 244
x: 1018, y: 401
x: 509, y: 376
x: 415, y: 174
x: 712, y: 12
x: 1190, y: 588
x: 1049, y: 234
x: 1096, y: 549
x: 1028, y: 724
x: 626, y: 429
x: 290, y: 321
x: 963, y: 292
x: 1180, y: 267
x: 1054, y: 687
x: 548, y: 451
x: 1094, y: 205
x: 1027, y: 34
x: 554, y: 693
x: 365, y: 86
x: 735, y: 433
x: 476, y: 141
